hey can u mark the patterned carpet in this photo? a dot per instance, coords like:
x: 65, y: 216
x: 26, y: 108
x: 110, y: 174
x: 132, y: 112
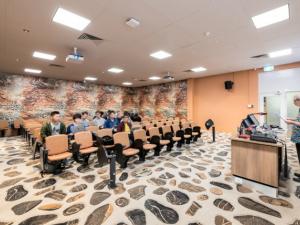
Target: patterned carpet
x: 191, y: 185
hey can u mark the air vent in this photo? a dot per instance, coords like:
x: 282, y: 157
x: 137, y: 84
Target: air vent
x: 94, y: 39
x: 142, y: 80
x: 56, y: 65
x: 259, y: 56
x: 187, y: 71
x: 86, y: 36
x: 168, y: 77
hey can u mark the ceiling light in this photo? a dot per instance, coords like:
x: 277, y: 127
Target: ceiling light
x: 198, y: 69
x: 154, y: 78
x: 271, y: 17
x: 280, y: 53
x: 115, y: 70
x: 70, y: 19
x: 91, y: 78
x: 28, y: 70
x: 160, y: 55
x: 132, y: 22
x: 42, y: 55
x: 127, y: 83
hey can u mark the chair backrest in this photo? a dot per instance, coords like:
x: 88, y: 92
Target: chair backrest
x: 84, y: 139
x: 154, y: 131
x: 148, y: 126
x: 56, y: 144
x: 122, y: 138
x: 166, y: 129
x: 175, y: 127
x: 37, y: 134
x: 17, y: 123
x: 185, y: 125
x: 140, y: 134
x: 194, y: 124
x: 169, y: 123
x: 159, y: 124
x: 92, y: 128
x: 3, y: 124
x: 105, y: 132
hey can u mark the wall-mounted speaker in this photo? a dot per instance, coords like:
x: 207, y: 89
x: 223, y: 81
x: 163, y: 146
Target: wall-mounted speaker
x: 228, y: 84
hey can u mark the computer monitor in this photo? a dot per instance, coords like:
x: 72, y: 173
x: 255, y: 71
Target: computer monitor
x: 253, y: 120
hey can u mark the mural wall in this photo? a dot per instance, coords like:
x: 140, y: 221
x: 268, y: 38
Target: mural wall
x: 30, y: 97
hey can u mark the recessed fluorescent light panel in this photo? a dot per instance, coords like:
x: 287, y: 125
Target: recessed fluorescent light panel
x: 198, y: 69
x: 270, y: 17
x: 28, y: 70
x: 115, y: 70
x: 43, y: 55
x: 70, y: 19
x: 160, y: 55
x: 154, y: 78
x: 279, y: 53
x: 127, y: 83
x: 89, y: 78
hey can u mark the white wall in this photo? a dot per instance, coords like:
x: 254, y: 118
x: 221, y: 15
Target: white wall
x: 278, y: 83
x: 283, y: 80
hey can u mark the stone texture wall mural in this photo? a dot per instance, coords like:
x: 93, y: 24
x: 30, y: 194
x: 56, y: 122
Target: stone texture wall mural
x: 30, y: 97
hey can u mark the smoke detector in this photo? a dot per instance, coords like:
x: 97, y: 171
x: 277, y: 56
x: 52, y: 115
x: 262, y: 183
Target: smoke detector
x: 133, y: 23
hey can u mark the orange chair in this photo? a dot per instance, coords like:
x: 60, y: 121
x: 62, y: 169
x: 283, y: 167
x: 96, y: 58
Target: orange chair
x: 187, y: 131
x: 36, y: 141
x: 156, y: 138
x: 54, y: 154
x: 168, y: 134
x: 3, y: 127
x: 141, y: 142
x: 83, y: 146
x: 179, y: 133
x: 106, y: 135
x: 93, y: 129
x: 123, y: 149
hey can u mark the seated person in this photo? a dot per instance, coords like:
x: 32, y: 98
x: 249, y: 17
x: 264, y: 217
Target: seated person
x: 53, y: 127
x: 111, y: 122
x: 84, y: 117
x: 98, y: 119
x: 77, y: 126
x: 119, y: 116
x: 125, y: 125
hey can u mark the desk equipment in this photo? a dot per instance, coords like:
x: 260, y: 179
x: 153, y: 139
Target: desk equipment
x: 263, y: 137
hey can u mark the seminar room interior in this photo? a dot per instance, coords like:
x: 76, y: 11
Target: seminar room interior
x: 149, y: 112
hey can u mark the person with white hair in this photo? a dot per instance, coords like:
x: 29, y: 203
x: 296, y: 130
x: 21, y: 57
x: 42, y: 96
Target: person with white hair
x: 296, y: 132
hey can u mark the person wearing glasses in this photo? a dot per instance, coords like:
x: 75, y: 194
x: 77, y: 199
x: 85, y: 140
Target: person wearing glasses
x: 296, y: 132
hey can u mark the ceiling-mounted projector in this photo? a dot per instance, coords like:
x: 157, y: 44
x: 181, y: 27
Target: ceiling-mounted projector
x: 75, y: 57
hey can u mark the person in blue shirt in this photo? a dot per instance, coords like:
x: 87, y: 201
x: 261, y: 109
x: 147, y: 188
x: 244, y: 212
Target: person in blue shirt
x: 77, y: 126
x: 84, y: 118
x: 296, y: 132
x: 111, y: 122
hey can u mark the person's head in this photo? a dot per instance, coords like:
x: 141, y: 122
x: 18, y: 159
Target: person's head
x: 111, y: 115
x: 55, y: 117
x: 125, y: 118
x: 297, y: 100
x: 84, y: 115
x: 120, y: 114
x: 98, y: 114
x: 77, y: 118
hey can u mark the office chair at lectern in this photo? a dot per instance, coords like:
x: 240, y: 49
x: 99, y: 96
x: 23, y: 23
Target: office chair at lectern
x: 208, y: 124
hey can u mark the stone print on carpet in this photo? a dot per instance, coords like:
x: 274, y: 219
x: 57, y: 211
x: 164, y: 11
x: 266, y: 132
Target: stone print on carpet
x: 191, y: 185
